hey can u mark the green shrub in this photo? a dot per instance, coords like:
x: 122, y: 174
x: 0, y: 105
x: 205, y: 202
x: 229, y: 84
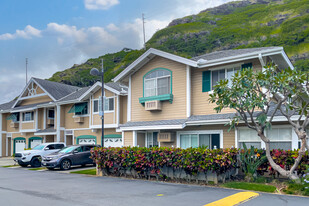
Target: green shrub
x: 250, y: 186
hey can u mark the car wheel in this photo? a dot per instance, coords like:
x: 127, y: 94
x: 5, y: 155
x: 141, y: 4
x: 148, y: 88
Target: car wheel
x: 23, y: 165
x: 65, y: 164
x: 35, y: 162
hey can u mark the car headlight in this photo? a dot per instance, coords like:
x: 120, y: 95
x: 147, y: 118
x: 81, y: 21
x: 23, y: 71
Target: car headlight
x: 27, y: 154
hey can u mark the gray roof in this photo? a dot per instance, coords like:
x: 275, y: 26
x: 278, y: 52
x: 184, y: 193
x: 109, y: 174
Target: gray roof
x: 55, y: 89
x: 48, y: 130
x: 154, y: 123
x: 117, y: 86
x: 7, y: 105
x: 230, y: 53
x: 75, y: 95
x: 210, y: 117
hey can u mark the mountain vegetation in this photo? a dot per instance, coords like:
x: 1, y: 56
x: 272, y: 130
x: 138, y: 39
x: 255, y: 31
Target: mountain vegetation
x: 235, y: 25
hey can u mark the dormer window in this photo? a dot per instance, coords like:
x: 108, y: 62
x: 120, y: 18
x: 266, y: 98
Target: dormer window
x: 157, y: 85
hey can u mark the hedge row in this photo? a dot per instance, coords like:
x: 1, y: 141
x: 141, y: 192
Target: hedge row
x: 144, y: 160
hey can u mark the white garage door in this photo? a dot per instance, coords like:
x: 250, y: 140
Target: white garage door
x: 112, y: 142
x: 86, y: 141
x: 35, y: 142
x: 20, y: 145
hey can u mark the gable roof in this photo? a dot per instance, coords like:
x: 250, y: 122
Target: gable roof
x: 75, y: 95
x: 7, y: 105
x: 277, y: 54
x: 55, y: 89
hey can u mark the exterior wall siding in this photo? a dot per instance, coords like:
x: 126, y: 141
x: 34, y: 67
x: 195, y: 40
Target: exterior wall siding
x: 176, y: 110
x: 128, y: 139
x: 35, y: 100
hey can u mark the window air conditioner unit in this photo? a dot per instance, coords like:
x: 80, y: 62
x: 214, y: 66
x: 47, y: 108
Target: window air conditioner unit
x: 14, y: 125
x: 79, y: 119
x: 165, y: 137
x: 153, y: 105
x: 50, y: 121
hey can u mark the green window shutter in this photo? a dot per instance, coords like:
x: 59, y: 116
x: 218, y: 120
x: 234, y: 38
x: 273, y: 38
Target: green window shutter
x: 77, y: 108
x: 206, y: 87
x: 246, y: 66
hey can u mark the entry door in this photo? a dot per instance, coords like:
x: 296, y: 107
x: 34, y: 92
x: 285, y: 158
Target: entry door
x: 20, y: 145
x: 152, y: 139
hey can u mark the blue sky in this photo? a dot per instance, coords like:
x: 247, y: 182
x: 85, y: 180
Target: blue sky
x: 55, y: 34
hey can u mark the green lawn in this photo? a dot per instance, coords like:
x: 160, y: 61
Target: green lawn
x: 250, y: 186
x: 86, y: 172
x: 10, y: 166
x: 38, y: 168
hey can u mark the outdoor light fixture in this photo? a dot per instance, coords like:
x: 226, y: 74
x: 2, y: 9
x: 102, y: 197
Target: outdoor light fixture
x: 96, y: 72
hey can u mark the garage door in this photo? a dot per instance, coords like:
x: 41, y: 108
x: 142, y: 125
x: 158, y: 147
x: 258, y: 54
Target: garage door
x: 86, y: 141
x: 20, y: 145
x: 112, y: 142
x: 35, y: 142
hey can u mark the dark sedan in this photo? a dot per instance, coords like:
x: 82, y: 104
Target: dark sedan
x: 69, y: 156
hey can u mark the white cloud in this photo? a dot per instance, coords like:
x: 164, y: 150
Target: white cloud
x: 27, y: 33
x: 100, y: 4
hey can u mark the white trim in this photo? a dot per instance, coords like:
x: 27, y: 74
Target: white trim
x: 156, y: 127
x: 46, y: 133
x: 58, y: 123
x: 134, y: 138
x: 36, y: 119
x: 122, y: 136
x: 90, y: 109
x: 26, y: 130
x: 262, y: 61
x: 188, y: 91
x: 0, y: 134
x: 242, y: 57
x: 44, y: 118
x: 118, y: 110
x: 286, y: 58
x: 34, y: 96
x: 24, y: 110
x: 105, y: 126
x: 145, y: 58
x: 294, y: 139
x: 236, y: 137
x: 129, y: 100
x: 220, y: 132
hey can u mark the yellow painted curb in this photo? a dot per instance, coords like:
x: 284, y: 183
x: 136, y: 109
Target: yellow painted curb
x: 234, y: 199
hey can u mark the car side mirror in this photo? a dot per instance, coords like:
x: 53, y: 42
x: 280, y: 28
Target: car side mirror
x: 46, y: 148
x: 75, y: 151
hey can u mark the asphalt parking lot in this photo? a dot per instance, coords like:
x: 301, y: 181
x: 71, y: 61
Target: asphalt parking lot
x: 19, y: 186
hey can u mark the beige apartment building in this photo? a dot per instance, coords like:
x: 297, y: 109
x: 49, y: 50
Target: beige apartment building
x: 160, y: 99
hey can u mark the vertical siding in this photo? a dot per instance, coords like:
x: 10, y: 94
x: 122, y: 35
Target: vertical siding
x: 176, y: 110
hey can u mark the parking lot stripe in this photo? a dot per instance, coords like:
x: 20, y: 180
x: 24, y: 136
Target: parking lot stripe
x: 234, y: 199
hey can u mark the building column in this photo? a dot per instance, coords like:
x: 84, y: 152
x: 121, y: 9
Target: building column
x: 44, y: 118
x: 118, y: 111
x: 188, y: 91
x: 36, y: 119
x: 58, y: 123
x: 122, y: 137
x: 134, y: 138
x: 129, y: 101
x: 0, y: 134
x: 294, y: 139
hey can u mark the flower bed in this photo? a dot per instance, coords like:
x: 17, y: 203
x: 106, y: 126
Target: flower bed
x: 193, y: 163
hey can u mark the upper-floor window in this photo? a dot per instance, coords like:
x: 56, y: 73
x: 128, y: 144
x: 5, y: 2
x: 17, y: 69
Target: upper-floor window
x: 28, y: 116
x: 14, y: 117
x: 108, y: 104
x: 51, y: 114
x: 79, y: 108
x: 157, y: 82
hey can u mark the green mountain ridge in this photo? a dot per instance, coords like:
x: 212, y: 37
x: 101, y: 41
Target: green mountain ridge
x: 235, y: 25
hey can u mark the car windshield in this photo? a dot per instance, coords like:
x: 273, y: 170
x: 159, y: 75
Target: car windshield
x: 68, y: 149
x: 38, y: 147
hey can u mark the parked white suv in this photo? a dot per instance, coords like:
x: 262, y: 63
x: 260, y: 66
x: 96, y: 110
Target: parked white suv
x: 34, y: 156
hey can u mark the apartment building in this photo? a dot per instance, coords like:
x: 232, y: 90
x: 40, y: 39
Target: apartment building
x: 161, y: 99
x: 168, y: 100
x: 48, y: 111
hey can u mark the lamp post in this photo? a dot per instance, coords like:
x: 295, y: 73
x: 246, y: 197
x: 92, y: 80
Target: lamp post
x: 96, y: 72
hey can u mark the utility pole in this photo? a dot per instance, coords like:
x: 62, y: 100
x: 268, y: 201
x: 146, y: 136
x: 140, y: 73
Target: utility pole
x: 102, y: 97
x: 26, y: 71
x: 143, y: 18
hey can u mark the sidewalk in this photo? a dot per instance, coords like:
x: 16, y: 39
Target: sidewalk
x: 4, y: 161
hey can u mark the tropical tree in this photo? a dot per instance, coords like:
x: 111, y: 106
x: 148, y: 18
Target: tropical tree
x: 259, y: 96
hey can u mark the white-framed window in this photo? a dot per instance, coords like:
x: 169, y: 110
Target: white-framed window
x: 249, y: 137
x: 280, y: 138
x: 227, y: 73
x: 50, y: 114
x: 157, y: 82
x: 194, y: 139
x: 108, y: 105
x: 152, y: 139
x: 28, y: 116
